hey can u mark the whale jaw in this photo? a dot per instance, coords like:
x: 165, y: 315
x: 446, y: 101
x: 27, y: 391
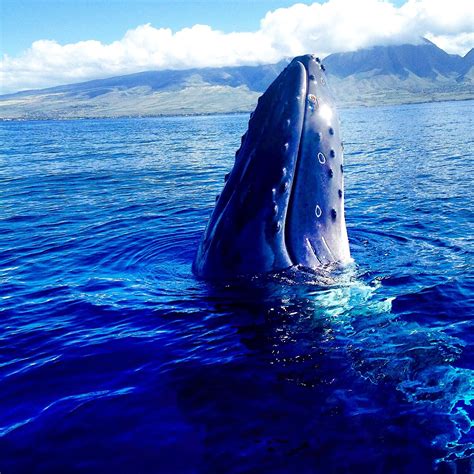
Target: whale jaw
x: 283, y: 202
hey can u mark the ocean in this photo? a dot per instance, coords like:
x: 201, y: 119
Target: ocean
x: 114, y: 358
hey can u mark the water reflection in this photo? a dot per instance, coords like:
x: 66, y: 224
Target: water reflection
x: 326, y: 370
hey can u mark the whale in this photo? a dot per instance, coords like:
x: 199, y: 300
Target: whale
x: 282, y: 204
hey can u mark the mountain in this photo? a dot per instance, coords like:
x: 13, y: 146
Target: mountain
x: 378, y: 75
x: 254, y: 77
x: 401, y: 74
x: 468, y: 62
x: 469, y: 57
x: 425, y: 60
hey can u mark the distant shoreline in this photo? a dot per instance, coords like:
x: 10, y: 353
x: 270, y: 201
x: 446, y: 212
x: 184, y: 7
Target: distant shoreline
x: 210, y: 114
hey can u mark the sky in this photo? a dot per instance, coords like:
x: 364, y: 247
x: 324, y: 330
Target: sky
x: 50, y: 42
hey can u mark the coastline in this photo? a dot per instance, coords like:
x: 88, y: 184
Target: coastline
x: 218, y: 113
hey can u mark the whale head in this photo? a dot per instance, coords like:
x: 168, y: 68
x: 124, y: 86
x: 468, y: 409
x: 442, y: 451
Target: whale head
x: 283, y: 202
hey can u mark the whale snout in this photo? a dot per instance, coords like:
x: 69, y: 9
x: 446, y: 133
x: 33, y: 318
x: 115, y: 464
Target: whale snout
x: 282, y: 203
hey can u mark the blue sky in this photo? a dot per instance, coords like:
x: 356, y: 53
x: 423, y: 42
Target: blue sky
x: 69, y: 21
x: 51, y: 42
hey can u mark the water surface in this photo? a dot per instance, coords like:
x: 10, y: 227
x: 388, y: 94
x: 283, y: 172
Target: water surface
x: 114, y: 358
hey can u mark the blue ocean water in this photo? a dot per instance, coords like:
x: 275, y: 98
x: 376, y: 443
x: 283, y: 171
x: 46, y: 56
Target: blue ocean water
x: 115, y: 358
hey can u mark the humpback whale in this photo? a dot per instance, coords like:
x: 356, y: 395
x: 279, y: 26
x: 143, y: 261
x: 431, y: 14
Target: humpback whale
x: 283, y: 202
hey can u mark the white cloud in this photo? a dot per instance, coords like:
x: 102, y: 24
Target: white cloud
x: 459, y: 44
x: 334, y: 26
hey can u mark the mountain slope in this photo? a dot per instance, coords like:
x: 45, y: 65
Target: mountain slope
x: 425, y: 60
x: 379, y: 75
x: 400, y: 74
x: 256, y: 78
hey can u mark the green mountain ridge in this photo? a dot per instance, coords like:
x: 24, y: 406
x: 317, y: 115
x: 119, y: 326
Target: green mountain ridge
x: 381, y: 75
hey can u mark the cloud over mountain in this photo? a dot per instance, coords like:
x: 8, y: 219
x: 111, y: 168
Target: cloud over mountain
x: 334, y: 26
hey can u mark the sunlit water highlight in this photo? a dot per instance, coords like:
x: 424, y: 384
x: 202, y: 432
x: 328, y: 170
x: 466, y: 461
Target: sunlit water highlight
x: 114, y: 358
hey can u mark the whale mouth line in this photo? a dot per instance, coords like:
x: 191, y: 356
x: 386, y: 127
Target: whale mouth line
x: 289, y: 210
x: 310, y: 245
x: 327, y: 247
x: 288, y: 213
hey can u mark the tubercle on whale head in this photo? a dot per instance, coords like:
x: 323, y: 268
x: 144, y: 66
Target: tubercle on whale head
x: 282, y: 203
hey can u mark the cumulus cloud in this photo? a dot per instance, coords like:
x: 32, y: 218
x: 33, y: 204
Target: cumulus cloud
x: 333, y: 26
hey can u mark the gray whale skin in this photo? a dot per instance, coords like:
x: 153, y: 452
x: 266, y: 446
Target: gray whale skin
x: 283, y: 202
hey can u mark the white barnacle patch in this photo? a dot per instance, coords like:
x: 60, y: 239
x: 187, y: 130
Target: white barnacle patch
x: 321, y: 158
x: 318, y: 211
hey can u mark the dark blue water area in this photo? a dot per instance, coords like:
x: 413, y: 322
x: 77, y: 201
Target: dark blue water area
x: 115, y: 358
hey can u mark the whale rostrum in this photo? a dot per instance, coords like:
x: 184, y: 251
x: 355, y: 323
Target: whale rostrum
x: 283, y: 202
